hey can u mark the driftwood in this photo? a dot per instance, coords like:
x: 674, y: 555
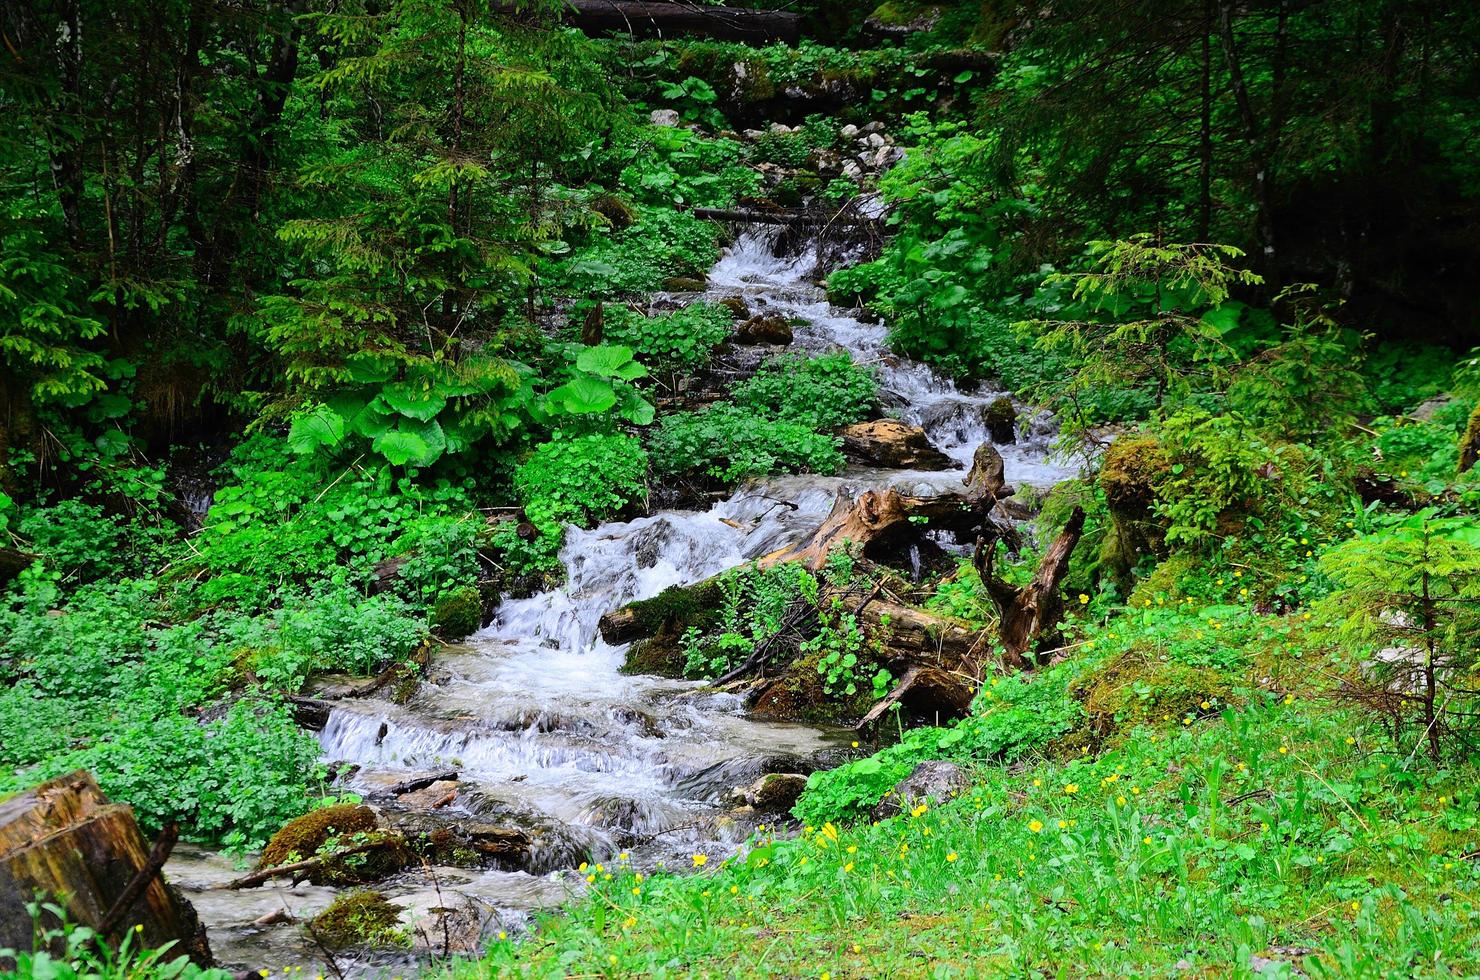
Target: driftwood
x: 421, y: 782
x: 1030, y: 615
x: 65, y: 839
x: 643, y: 18
x: 930, y: 691
x: 308, y: 864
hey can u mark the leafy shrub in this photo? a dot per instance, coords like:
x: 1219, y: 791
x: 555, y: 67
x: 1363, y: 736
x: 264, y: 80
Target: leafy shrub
x: 822, y: 392
x: 677, y: 343
x: 729, y: 443
x: 582, y: 479
x: 1012, y: 717
x: 752, y: 603
x: 77, y: 539
x: 334, y: 628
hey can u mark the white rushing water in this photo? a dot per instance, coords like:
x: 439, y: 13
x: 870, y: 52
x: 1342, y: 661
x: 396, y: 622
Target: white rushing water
x: 534, y: 712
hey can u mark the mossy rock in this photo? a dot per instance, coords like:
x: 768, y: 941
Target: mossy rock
x: 457, y: 613
x: 1165, y: 581
x: 359, y: 919
x: 1469, y: 443
x: 618, y: 212
x: 305, y: 836
x: 1132, y: 472
x: 661, y: 655
x: 679, y: 605
x: 798, y: 694
x: 1137, y: 688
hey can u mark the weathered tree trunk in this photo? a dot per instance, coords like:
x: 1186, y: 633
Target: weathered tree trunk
x: 649, y: 19
x: 1030, y: 615
x: 64, y: 839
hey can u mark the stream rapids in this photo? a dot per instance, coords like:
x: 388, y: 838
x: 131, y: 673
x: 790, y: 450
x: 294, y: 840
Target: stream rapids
x: 534, y: 713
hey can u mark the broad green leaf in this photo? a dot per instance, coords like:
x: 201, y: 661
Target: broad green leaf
x: 370, y: 368
x: 315, y: 429
x: 608, y: 361
x: 584, y: 396
x: 414, y: 399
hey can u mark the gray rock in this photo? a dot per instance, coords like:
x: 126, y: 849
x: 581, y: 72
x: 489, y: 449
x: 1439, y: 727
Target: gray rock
x: 780, y: 129
x: 931, y: 781
x: 663, y: 117
x: 776, y: 792
x: 874, y: 139
x: 848, y: 132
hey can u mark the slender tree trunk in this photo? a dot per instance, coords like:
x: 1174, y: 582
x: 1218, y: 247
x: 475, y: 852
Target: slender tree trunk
x: 1205, y: 132
x: 66, y: 148
x: 1253, y: 135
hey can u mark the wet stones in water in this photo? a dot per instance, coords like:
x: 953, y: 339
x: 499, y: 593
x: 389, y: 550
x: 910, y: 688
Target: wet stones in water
x: 457, y: 613
x: 777, y: 792
x: 685, y: 284
x: 931, y: 781
x: 360, y: 919
x: 305, y: 837
x: 737, y: 307
x: 454, y: 840
x: 771, y: 328
x: 441, y: 793
x: 891, y: 444
x: 1001, y: 421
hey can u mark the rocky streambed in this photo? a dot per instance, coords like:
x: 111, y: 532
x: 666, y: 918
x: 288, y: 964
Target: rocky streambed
x: 529, y: 750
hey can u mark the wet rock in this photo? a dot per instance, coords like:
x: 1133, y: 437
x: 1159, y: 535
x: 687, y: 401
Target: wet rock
x: 441, y: 793
x: 305, y: 837
x: 874, y: 139
x: 445, y: 923
x: 736, y: 306
x: 931, y: 781
x: 663, y: 117
x: 848, y: 132
x: 852, y: 170
x: 776, y: 793
x: 454, y: 839
x: 360, y: 919
x: 685, y: 284
x: 1001, y: 420
x: 891, y: 444
x: 764, y: 329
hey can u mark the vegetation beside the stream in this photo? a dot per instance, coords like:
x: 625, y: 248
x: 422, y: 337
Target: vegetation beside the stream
x: 376, y: 284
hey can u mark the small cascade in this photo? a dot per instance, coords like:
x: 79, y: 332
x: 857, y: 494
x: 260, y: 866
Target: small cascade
x: 534, y: 712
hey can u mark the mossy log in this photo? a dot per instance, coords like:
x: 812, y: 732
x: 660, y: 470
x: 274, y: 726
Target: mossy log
x: 65, y: 839
x: 642, y: 18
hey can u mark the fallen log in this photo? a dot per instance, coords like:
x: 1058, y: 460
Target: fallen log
x: 308, y: 864
x: 1029, y: 616
x: 805, y: 219
x: 65, y: 839
x: 421, y: 782
x: 643, y: 18
x: 936, y: 694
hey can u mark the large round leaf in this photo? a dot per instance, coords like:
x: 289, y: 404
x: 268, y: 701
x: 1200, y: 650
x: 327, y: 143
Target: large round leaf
x: 411, y: 443
x: 610, y: 361
x: 315, y: 429
x: 584, y: 396
x: 414, y: 399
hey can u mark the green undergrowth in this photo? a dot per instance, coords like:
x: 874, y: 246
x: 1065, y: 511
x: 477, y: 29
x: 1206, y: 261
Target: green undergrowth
x: 1268, y: 819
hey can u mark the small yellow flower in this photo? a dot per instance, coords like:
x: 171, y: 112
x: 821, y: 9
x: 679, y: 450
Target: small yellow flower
x: 917, y: 811
x: 734, y: 889
x: 623, y: 856
x: 139, y: 927
x: 1036, y: 826
x: 1350, y: 740
x: 630, y: 922
x: 1284, y: 750
x: 612, y: 959
x: 1356, y: 906
x: 1037, y: 782
x: 1206, y: 705
x: 1063, y: 825
x: 855, y: 745
x: 581, y: 867
x: 951, y: 856
x: 700, y: 859
x: 857, y: 948
x: 502, y: 934
x: 590, y: 878
x: 636, y: 890
x: 1121, y: 800
x: 848, y: 867
x: 1071, y: 788
x: 1145, y: 840
x: 1083, y: 599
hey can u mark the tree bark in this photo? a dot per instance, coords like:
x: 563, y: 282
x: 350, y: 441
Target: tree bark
x: 65, y: 839
x: 1030, y: 615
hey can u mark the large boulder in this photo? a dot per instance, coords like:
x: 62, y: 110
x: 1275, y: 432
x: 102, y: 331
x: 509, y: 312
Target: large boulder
x: 891, y: 444
x: 932, y: 781
x: 775, y: 792
x: 764, y: 328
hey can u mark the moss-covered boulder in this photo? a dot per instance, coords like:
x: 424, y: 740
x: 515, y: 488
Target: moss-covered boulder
x: 1469, y: 443
x: 1132, y: 472
x: 1138, y: 687
x: 336, y: 828
x: 457, y: 613
x: 360, y: 919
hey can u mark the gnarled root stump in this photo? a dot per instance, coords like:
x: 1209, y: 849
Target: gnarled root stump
x: 1030, y: 615
x: 65, y: 839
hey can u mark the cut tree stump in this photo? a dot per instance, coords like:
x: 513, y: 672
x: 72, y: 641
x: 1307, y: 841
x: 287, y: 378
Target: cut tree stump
x: 64, y: 839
